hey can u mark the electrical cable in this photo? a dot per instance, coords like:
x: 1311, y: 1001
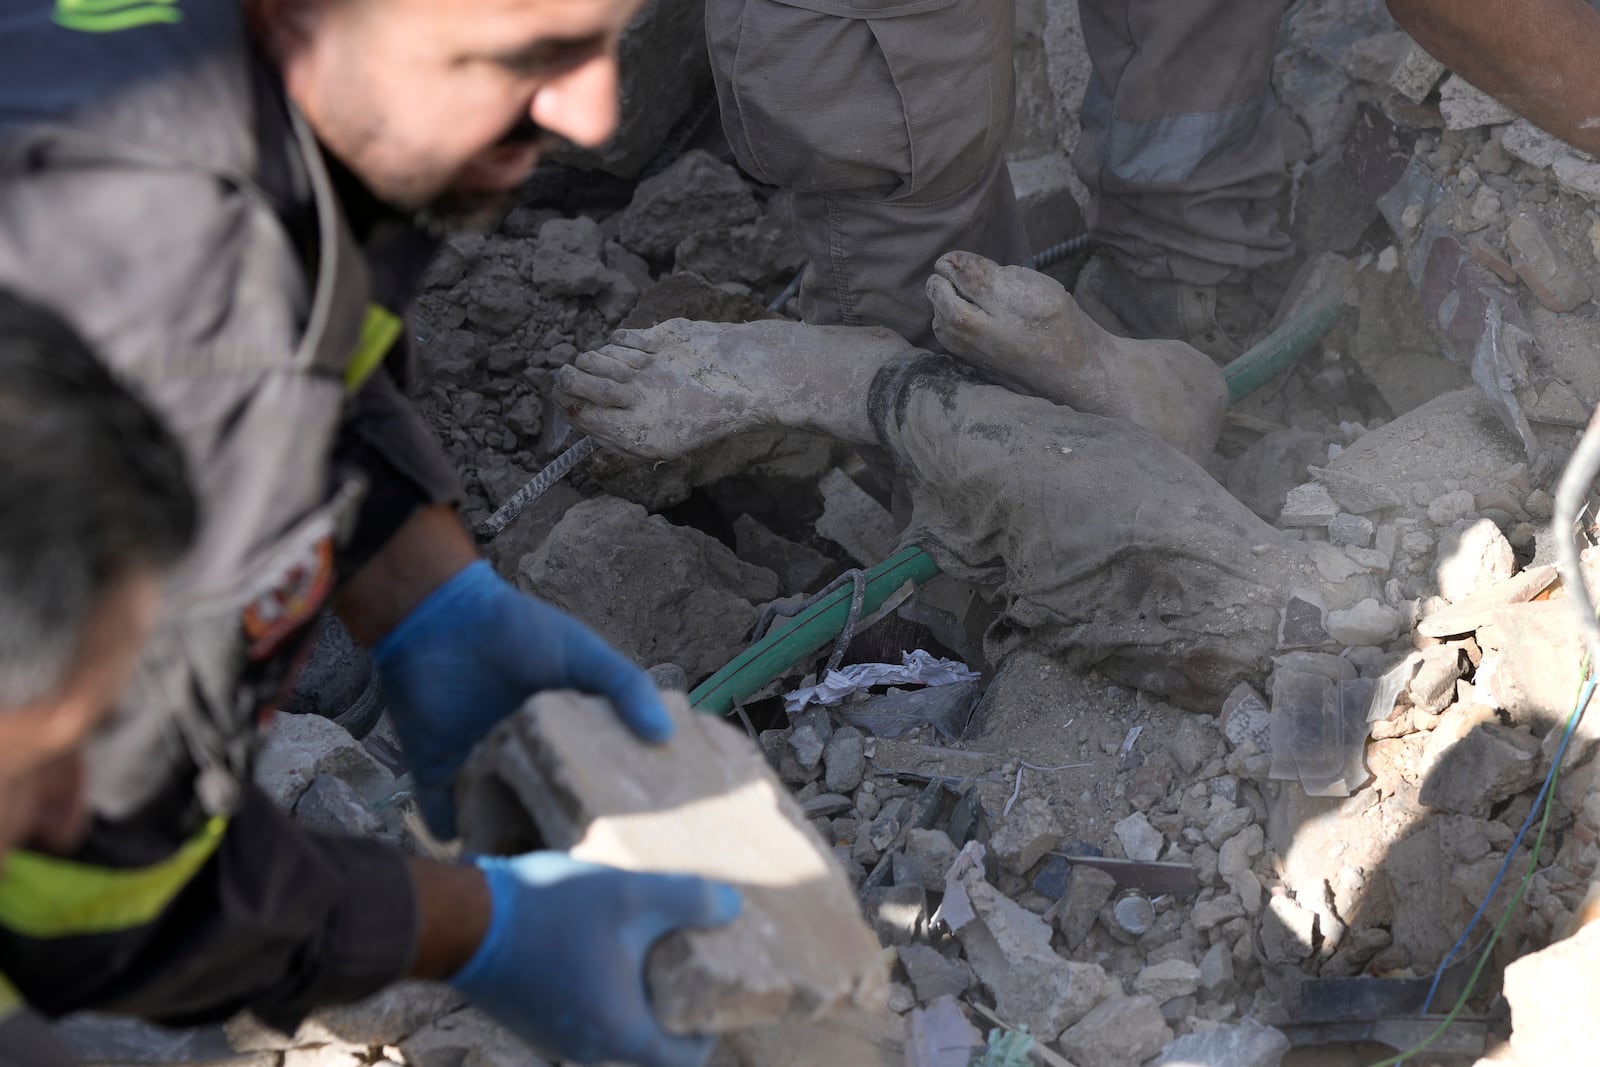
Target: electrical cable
x: 1571, y: 492
x: 1516, y: 901
x: 1516, y: 843
x: 847, y: 632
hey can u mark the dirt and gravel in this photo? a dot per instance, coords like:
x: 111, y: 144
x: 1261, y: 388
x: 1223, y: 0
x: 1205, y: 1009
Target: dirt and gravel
x: 1162, y: 886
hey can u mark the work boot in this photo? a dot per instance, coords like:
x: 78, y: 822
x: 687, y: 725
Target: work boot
x: 338, y: 682
x: 1219, y: 320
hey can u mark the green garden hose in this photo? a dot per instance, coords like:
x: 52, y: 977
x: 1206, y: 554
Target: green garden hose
x: 1283, y: 347
x: 794, y: 639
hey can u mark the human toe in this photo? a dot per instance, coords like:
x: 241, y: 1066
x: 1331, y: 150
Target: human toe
x: 970, y: 273
x: 613, y: 363
x: 952, y: 313
x: 574, y: 384
x: 654, y: 338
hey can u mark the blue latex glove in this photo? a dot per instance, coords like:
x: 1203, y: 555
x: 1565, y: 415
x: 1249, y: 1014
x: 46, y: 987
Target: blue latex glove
x: 472, y: 653
x: 562, y: 965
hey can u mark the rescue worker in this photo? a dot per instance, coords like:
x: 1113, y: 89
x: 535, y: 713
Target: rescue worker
x: 225, y: 199
x: 95, y: 505
x: 889, y: 119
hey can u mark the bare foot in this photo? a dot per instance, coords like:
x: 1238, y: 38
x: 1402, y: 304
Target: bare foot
x: 1023, y: 328
x: 666, y: 391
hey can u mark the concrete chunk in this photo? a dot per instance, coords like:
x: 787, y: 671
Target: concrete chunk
x: 1009, y: 949
x: 857, y: 1038
x: 1540, y: 262
x: 1365, y: 623
x: 928, y: 857
x: 1122, y: 1032
x: 330, y: 805
x: 1075, y: 913
x: 1478, y: 609
x: 1168, y: 979
x: 1552, y: 1000
x: 385, y: 1018
x: 1351, y: 531
x: 1471, y: 763
x: 1416, y: 74
x: 1478, y: 558
x: 696, y: 195
x: 1246, y: 718
x: 1467, y: 107
x: 854, y: 521
x: 845, y: 760
x: 1025, y: 835
x: 1308, y: 505
x: 1140, y: 840
x: 934, y: 974
x: 1246, y: 1044
x: 942, y: 1037
x: 300, y: 748
x: 1532, y: 659
x: 468, y: 1036
x: 657, y: 591
x: 566, y: 772
x: 1579, y: 176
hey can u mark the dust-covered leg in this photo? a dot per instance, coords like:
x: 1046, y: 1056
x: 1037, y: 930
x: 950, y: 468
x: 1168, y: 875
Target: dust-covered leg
x: 1023, y: 328
x: 1108, y: 547
x: 663, y: 392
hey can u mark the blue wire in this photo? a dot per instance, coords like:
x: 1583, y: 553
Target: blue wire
x: 1533, y: 813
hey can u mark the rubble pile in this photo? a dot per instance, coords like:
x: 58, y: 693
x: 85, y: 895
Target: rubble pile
x: 498, y: 314
x: 1219, y: 893
x: 1130, y: 884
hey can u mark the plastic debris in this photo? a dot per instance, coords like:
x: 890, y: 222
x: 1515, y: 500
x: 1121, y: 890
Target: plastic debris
x: 917, y: 667
x: 1319, y: 731
x: 1008, y: 1048
x: 941, y: 1036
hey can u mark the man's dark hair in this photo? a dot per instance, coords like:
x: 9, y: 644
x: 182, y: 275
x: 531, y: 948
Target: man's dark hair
x: 91, y: 486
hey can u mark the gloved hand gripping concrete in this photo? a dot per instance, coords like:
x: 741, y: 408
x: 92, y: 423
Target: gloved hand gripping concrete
x: 471, y: 654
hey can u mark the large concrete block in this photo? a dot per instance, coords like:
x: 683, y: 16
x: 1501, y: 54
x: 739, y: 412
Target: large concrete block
x: 660, y: 593
x: 565, y: 773
x: 1552, y: 996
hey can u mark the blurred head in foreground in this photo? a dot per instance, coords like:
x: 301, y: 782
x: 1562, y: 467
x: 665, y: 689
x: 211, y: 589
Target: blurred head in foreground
x: 95, y: 505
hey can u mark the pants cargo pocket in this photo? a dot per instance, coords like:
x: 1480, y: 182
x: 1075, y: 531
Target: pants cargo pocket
x: 866, y: 98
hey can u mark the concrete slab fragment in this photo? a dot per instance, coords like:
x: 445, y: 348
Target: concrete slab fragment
x: 566, y: 772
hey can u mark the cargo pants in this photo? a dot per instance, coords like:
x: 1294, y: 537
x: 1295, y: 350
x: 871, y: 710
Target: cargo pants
x: 1182, y: 146
x: 888, y: 121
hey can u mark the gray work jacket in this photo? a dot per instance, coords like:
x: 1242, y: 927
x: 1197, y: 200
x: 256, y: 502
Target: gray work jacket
x: 157, y: 189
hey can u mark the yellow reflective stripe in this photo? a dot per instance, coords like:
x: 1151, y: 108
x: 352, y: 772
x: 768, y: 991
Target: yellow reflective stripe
x: 10, y: 999
x: 45, y: 896
x: 379, y: 331
x: 112, y: 16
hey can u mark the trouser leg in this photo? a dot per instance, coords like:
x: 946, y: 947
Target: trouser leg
x: 1107, y: 546
x: 868, y: 261
x: 1182, y: 147
x: 889, y: 131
